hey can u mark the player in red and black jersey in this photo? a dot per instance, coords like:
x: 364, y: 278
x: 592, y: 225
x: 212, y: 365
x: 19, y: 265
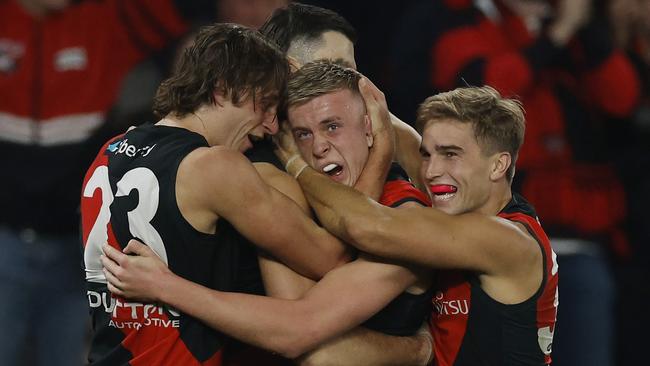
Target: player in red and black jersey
x: 175, y: 183
x: 471, y: 327
x: 498, y: 281
x: 327, y: 116
x: 477, y: 227
x: 498, y: 297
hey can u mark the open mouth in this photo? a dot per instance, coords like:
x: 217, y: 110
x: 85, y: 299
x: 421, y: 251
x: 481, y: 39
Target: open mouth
x: 443, y: 191
x: 332, y: 169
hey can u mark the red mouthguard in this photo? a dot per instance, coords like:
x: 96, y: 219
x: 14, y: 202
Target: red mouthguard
x: 442, y: 188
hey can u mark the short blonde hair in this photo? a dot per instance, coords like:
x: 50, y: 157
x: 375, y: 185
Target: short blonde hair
x: 498, y: 123
x: 318, y: 78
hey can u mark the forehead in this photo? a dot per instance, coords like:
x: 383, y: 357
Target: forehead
x: 335, y: 45
x: 448, y: 131
x: 342, y: 104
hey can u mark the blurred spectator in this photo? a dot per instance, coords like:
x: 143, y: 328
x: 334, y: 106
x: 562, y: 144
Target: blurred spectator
x: 140, y: 85
x: 559, y: 59
x: 630, y: 20
x: 61, y: 66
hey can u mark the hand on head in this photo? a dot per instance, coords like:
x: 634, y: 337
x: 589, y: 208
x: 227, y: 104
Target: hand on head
x: 377, y: 109
x: 287, y: 151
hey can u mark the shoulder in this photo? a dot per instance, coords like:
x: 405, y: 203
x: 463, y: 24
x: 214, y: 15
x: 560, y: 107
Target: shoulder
x: 205, y: 166
x: 216, y: 159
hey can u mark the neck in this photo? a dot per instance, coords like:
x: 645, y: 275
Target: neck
x: 499, y: 197
x: 194, y: 122
x: 504, y: 194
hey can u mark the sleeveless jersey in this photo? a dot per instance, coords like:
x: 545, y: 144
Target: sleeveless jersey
x: 471, y: 328
x: 130, y: 192
x: 404, y: 315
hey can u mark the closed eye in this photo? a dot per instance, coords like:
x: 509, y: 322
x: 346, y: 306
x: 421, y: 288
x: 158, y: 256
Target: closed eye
x: 302, y: 135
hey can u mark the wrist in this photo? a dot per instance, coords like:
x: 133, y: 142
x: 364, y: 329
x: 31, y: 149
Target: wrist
x: 165, y: 292
x: 295, y: 166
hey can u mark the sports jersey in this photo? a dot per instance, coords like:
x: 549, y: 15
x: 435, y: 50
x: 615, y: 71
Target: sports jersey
x: 471, y: 328
x: 405, y: 314
x: 130, y: 192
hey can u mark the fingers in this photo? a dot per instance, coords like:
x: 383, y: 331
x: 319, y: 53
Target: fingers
x: 114, y: 283
x: 285, y: 145
x: 136, y: 247
x: 114, y: 290
x: 111, y: 269
x: 369, y: 91
x: 113, y: 254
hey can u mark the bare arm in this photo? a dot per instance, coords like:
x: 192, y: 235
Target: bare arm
x: 361, y: 347
x: 426, y: 236
x: 407, y: 151
x: 222, y: 181
x: 344, y: 298
x: 279, y: 280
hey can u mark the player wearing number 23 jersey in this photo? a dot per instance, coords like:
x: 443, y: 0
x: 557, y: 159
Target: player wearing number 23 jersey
x: 130, y: 192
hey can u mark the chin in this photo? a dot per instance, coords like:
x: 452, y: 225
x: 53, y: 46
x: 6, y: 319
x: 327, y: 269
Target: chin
x: 448, y: 209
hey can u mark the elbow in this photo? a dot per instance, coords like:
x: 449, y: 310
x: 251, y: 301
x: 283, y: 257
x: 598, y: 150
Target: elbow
x: 297, y: 344
x: 299, y: 335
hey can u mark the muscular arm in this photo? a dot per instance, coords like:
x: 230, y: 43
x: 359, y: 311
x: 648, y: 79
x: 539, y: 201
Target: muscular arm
x: 347, y: 296
x: 358, y: 347
x: 361, y: 347
x: 223, y: 182
x: 279, y: 280
x: 420, y: 235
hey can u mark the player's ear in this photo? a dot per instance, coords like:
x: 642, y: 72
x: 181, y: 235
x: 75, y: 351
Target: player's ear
x: 500, y: 164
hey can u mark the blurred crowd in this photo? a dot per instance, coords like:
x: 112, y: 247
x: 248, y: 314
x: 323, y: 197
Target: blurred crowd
x: 74, y: 73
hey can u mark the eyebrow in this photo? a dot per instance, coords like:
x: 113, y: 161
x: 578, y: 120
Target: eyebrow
x: 456, y: 148
x: 329, y: 120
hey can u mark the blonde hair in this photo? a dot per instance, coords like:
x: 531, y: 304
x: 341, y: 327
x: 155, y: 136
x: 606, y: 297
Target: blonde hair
x: 318, y: 78
x: 498, y: 123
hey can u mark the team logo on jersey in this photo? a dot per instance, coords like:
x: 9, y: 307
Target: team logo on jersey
x: 449, y: 307
x: 10, y: 53
x: 114, y: 146
x: 133, y: 315
x: 73, y: 58
x: 123, y: 147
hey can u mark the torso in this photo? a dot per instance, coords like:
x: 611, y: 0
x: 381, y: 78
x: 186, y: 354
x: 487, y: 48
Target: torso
x: 471, y: 328
x: 130, y: 192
